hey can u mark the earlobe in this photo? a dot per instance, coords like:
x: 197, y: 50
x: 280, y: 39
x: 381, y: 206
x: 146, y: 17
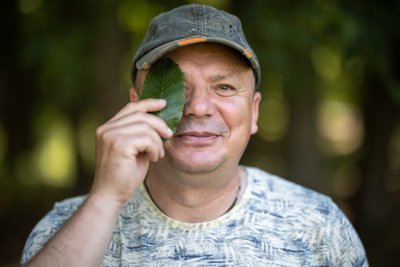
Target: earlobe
x: 255, y: 111
x: 133, y: 95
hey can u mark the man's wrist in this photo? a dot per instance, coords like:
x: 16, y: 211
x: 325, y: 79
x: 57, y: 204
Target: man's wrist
x: 104, y: 203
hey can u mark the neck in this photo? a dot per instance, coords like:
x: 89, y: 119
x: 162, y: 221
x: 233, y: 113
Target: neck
x: 197, y: 201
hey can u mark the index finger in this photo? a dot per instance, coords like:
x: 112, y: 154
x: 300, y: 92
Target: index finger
x: 146, y: 106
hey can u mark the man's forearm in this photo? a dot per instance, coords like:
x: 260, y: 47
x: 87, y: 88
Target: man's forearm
x: 124, y: 147
x: 84, y: 238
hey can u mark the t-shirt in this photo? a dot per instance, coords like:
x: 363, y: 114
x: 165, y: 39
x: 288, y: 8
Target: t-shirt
x: 274, y: 223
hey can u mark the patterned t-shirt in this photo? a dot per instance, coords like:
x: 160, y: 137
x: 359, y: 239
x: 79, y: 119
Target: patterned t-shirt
x: 274, y: 223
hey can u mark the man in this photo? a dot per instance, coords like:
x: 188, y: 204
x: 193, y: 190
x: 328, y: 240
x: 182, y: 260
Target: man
x: 164, y: 199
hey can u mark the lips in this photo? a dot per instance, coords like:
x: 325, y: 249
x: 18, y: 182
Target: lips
x: 197, y: 138
x: 200, y: 132
x: 196, y: 134
x: 201, y: 127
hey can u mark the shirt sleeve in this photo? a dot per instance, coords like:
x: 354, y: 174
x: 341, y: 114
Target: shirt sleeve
x: 48, y: 226
x: 346, y: 248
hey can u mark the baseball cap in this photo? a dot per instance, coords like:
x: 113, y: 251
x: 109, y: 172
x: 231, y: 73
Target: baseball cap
x: 191, y: 24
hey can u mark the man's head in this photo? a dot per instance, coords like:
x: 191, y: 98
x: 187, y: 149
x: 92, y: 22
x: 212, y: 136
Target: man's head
x: 191, y: 24
x: 220, y: 111
x: 220, y: 74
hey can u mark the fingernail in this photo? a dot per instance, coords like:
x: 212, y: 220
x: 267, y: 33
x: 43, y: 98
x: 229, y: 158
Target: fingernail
x: 170, y: 132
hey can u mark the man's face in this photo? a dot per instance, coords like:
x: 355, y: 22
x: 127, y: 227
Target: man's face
x: 220, y: 112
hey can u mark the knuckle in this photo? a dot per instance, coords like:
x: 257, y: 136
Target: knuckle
x: 131, y: 105
x: 144, y: 126
x: 100, y: 131
x: 145, y: 140
x: 117, y: 143
x: 107, y: 137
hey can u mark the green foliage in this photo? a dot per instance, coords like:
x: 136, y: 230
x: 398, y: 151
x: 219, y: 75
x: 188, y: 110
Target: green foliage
x: 165, y: 80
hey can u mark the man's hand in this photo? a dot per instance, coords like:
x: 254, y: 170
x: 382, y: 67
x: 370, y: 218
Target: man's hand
x: 125, y: 145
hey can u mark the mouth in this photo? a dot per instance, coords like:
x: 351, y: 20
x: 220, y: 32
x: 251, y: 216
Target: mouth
x: 194, y: 134
x: 197, y: 138
x: 200, y: 132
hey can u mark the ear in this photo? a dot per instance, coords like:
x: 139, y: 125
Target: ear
x: 133, y: 94
x: 255, y: 111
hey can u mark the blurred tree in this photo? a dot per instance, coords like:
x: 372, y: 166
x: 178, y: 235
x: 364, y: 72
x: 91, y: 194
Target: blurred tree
x: 346, y: 51
x: 377, y: 41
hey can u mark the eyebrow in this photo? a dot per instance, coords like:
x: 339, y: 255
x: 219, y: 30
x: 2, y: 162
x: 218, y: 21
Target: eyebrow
x: 220, y: 77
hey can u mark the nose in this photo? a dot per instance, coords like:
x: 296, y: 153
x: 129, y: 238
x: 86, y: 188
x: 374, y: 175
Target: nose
x: 198, y: 102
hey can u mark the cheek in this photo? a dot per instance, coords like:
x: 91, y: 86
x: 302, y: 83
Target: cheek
x: 236, y: 114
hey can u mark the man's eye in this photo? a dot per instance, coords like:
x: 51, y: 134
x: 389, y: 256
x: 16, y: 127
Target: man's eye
x: 225, y: 90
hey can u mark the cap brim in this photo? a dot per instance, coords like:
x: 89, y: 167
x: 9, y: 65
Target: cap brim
x: 152, y: 56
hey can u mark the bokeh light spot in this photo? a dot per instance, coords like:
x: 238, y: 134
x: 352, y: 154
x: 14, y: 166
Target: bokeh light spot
x: 274, y: 117
x: 55, y: 155
x: 341, y: 127
x: 29, y: 6
x: 346, y: 181
x: 136, y: 15
x: 327, y: 63
x: 87, y: 142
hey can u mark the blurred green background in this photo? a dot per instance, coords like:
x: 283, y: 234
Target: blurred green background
x: 330, y: 115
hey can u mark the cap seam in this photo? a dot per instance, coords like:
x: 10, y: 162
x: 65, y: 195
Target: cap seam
x: 200, y: 19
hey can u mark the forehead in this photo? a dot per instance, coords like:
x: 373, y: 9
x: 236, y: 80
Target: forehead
x: 209, y: 53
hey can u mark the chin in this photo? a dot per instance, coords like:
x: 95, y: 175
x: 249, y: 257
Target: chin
x: 194, y: 165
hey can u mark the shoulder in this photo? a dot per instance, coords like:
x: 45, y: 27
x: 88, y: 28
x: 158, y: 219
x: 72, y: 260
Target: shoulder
x: 289, y: 204
x: 49, y: 225
x: 303, y: 214
x: 61, y: 211
x: 69, y: 205
x: 291, y: 200
x: 275, y: 189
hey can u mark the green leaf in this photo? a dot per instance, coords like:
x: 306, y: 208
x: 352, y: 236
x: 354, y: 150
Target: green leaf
x: 165, y: 80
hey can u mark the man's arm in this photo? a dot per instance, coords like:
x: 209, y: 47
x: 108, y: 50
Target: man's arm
x: 124, y: 147
x: 84, y: 238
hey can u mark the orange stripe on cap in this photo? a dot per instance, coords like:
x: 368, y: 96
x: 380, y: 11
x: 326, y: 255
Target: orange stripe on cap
x: 192, y: 41
x: 247, y: 53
